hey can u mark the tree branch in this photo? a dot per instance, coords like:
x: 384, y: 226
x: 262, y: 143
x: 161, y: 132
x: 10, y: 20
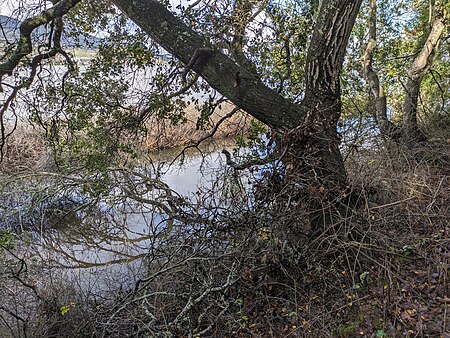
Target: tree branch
x: 25, y: 45
x: 219, y: 70
x: 25, y: 83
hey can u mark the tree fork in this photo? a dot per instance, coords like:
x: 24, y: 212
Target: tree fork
x: 324, y: 64
x: 313, y: 138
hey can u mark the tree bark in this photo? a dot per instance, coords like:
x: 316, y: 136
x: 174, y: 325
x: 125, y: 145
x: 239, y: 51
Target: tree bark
x: 321, y: 107
x: 387, y: 129
x: 322, y: 102
x: 416, y: 72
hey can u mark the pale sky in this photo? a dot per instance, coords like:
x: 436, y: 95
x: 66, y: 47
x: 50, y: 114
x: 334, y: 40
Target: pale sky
x: 7, y: 6
x: 4, y: 9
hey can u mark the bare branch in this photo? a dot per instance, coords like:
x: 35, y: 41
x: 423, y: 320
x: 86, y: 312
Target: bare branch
x: 231, y: 279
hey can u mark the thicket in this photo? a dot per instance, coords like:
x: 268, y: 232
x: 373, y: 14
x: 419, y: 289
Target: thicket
x: 242, y: 264
x: 93, y: 243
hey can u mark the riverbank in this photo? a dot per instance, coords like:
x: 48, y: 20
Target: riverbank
x: 27, y: 149
x: 381, y: 270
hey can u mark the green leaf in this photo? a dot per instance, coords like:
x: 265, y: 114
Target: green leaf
x: 381, y: 333
x: 64, y: 309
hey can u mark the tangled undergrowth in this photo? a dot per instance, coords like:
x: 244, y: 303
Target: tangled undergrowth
x: 381, y: 269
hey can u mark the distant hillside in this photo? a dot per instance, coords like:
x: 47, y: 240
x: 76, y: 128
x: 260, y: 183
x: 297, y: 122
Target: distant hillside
x: 8, y: 26
x: 9, y: 31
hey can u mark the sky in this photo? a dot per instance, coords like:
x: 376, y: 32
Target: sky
x: 4, y: 9
x: 7, y: 6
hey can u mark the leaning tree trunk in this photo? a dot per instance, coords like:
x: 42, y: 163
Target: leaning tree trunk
x: 315, y: 166
x: 416, y: 72
x: 314, y: 120
x: 311, y: 143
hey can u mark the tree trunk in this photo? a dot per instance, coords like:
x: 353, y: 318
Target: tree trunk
x: 310, y: 142
x: 321, y: 107
x: 416, y: 72
x: 387, y: 129
x: 322, y: 102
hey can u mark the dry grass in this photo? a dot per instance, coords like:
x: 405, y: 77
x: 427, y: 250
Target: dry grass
x: 163, y: 134
x: 25, y: 149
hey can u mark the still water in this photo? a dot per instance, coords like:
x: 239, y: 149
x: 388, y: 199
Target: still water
x: 107, y: 243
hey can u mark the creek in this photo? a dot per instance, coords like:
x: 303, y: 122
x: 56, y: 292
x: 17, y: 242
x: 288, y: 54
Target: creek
x: 105, y: 245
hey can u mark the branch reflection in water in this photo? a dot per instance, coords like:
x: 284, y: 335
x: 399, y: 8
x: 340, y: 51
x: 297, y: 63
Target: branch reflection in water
x: 144, y: 220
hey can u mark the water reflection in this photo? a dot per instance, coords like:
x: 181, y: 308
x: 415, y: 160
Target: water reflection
x: 140, y: 220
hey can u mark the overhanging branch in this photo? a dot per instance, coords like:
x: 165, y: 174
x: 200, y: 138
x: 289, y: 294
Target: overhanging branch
x: 219, y: 70
x: 25, y: 45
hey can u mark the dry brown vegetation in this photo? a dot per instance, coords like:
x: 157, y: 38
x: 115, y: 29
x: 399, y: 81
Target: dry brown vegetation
x: 27, y: 150
x: 163, y: 134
